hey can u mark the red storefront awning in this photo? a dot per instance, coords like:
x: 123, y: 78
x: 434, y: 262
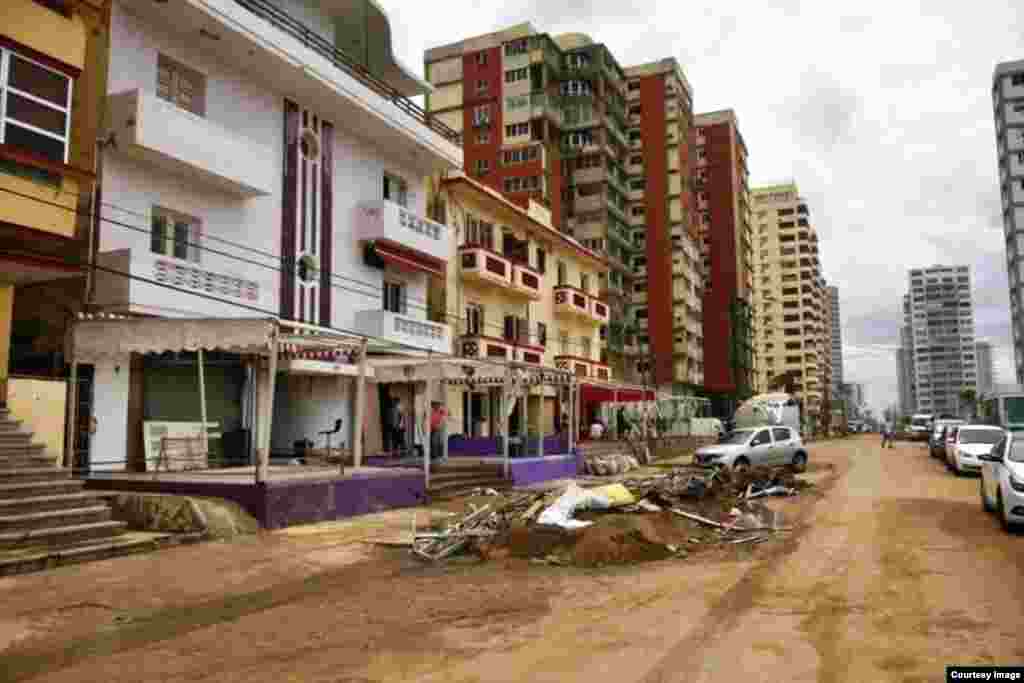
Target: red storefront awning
x: 590, y: 393
x: 408, y: 259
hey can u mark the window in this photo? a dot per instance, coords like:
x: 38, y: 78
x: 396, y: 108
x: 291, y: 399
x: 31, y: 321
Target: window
x: 1017, y: 79
x: 1018, y: 108
x: 394, y: 297
x: 563, y: 342
x: 474, y: 319
x: 482, y: 166
x: 483, y: 138
x: 521, y: 155
x: 542, y: 261
x: 479, y: 233
x: 637, y: 184
x: 396, y: 190
x: 542, y: 334
x: 514, y: 75
x: 563, y: 273
x: 481, y: 59
x: 175, y: 234
x: 636, y: 159
x: 577, y: 60
x: 482, y: 115
x: 181, y: 85
x: 585, y: 282
x: 579, y: 139
x: 634, y: 85
x: 585, y: 347
x: 516, y: 129
x: 481, y: 86
x: 516, y: 47
x: 576, y: 87
x: 637, y: 211
x: 522, y: 184
x: 35, y: 107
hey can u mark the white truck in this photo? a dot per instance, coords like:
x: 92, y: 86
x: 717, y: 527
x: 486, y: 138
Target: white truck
x: 921, y: 426
x: 768, y: 409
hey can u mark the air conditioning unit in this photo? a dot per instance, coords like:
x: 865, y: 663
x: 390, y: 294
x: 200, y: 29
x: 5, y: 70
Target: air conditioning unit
x: 371, y: 257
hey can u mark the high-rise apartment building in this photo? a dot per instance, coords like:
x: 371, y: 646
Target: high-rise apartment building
x: 905, y: 366
x: 724, y: 225
x: 836, y: 342
x: 788, y: 296
x: 940, y: 319
x: 986, y: 367
x: 545, y: 118
x: 1008, y: 106
x: 828, y: 388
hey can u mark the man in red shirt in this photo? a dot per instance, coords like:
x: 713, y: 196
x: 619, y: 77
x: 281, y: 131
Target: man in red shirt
x: 438, y: 415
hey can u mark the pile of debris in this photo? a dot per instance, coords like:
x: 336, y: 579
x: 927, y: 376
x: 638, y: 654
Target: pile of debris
x: 655, y: 517
x: 604, y: 465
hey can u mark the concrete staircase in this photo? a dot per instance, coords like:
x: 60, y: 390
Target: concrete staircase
x: 592, y: 448
x: 46, y: 519
x: 459, y: 478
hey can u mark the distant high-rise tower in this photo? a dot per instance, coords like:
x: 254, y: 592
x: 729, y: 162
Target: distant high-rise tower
x: 940, y: 316
x: 986, y: 367
x: 837, y: 345
x: 1008, y: 104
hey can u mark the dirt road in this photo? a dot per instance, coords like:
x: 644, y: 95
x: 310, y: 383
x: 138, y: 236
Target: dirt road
x: 895, y: 573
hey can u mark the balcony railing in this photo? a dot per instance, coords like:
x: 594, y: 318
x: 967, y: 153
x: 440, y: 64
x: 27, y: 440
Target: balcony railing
x: 383, y: 220
x: 485, y: 266
x: 481, y: 346
x: 284, y: 22
x: 405, y: 330
x: 571, y: 301
x: 526, y: 281
x: 581, y: 367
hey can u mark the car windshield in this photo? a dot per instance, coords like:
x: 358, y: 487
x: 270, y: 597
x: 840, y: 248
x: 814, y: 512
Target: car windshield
x: 738, y: 437
x: 984, y: 436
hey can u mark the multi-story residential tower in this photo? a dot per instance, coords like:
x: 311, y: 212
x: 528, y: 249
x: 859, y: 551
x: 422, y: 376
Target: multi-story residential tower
x: 905, y: 363
x: 941, y: 321
x: 828, y: 387
x: 659, y: 164
x: 986, y: 367
x: 720, y: 183
x: 1008, y: 107
x: 242, y: 186
x: 836, y: 343
x: 544, y: 117
x: 788, y: 296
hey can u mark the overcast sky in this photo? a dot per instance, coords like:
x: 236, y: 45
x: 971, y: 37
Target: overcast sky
x: 883, y: 118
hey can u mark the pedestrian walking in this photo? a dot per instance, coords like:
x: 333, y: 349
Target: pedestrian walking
x: 437, y: 417
x: 887, y: 435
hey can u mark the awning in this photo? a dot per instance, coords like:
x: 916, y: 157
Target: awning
x: 399, y: 256
x: 95, y: 340
x: 591, y: 393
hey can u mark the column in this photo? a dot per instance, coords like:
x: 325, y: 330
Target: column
x: 431, y: 384
x: 267, y: 418
x: 6, y: 320
x: 540, y: 424
x: 204, y: 431
x: 360, y: 411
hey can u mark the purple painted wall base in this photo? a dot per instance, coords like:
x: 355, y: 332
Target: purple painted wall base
x: 287, y: 503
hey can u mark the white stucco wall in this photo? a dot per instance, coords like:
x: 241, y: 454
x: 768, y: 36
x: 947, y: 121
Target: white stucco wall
x: 305, y: 405
x: 110, y: 409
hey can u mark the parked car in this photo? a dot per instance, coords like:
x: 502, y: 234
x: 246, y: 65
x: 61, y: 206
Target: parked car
x: 970, y: 442
x: 768, y: 445
x: 1002, y: 480
x: 948, y: 440
x: 937, y: 440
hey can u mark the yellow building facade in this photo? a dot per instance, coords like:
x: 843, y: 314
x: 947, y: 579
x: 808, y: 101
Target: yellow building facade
x: 520, y: 291
x: 53, y: 57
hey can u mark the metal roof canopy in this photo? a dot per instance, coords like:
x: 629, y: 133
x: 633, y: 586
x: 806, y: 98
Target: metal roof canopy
x: 466, y: 371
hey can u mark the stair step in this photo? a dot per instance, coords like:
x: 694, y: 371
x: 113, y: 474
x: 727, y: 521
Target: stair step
x: 66, y: 501
x: 450, y: 475
x: 61, y: 535
x: 35, y: 489
x: 10, y: 426
x: 22, y: 461
x: 55, y: 518
x: 23, y: 563
x: 25, y: 474
x: 461, y: 487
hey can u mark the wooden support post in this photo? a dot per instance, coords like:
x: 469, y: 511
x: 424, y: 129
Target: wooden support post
x: 540, y: 425
x: 506, y: 413
x: 426, y: 441
x: 360, y: 411
x: 267, y: 418
x: 72, y: 436
x: 204, y: 430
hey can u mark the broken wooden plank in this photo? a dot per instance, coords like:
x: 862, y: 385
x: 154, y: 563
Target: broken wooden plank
x: 698, y: 518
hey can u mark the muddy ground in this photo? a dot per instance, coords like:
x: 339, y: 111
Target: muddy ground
x: 892, y: 573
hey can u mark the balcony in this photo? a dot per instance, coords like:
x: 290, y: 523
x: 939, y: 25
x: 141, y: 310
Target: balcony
x: 601, y: 371
x: 526, y: 282
x: 404, y: 330
x: 581, y: 367
x: 484, y: 347
x: 410, y: 240
x: 571, y: 302
x: 481, y: 265
x: 116, y: 293
x: 158, y: 133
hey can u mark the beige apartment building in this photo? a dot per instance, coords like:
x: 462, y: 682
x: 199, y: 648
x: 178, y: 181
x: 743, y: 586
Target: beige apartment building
x: 789, y: 297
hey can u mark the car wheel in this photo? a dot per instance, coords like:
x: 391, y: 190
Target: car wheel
x: 984, y: 499
x: 800, y: 462
x: 741, y: 465
x: 1008, y: 526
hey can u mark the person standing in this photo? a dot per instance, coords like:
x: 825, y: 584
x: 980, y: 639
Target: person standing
x: 398, y: 426
x: 887, y: 435
x: 438, y: 415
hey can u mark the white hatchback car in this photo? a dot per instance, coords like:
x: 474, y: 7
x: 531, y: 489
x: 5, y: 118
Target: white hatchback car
x: 967, y: 444
x: 1002, y: 480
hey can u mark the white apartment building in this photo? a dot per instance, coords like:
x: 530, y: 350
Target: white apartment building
x: 1008, y: 108
x: 836, y: 342
x: 789, y: 294
x: 986, y: 367
x: 940, y: 317
x: 259, y: 171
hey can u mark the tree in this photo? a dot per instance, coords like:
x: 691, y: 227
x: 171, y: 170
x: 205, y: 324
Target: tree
x: 969, y: 398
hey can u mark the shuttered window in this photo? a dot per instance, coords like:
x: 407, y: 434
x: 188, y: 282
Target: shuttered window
x: 181, y: 85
